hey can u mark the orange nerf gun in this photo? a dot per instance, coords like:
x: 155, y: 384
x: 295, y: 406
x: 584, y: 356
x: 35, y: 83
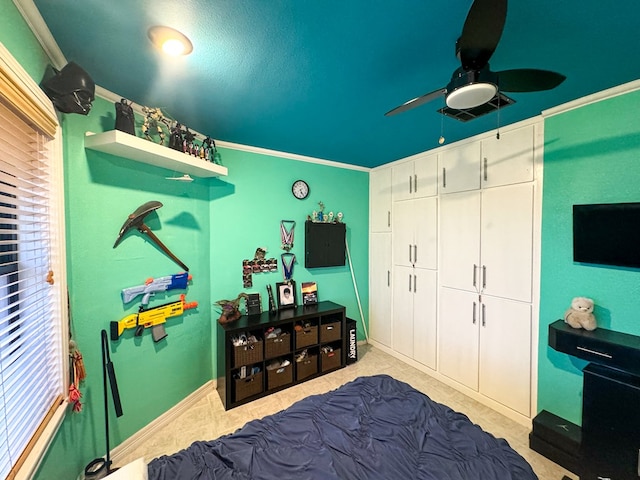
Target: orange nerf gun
x: 153, y: 318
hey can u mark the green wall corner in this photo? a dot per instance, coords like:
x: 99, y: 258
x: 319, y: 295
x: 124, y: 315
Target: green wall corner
x: 590, y: 156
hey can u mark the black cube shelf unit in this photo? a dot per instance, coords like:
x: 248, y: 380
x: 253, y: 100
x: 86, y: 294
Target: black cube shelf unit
x: 245, y: 372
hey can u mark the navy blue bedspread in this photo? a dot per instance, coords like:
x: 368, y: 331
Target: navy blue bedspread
x: 371, y: 428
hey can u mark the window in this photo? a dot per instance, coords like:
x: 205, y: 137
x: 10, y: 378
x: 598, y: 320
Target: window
x: 33, y: 343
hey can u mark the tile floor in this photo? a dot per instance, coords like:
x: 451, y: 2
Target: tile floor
x: 208, y: 420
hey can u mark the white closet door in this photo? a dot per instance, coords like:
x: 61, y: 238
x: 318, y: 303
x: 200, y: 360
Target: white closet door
x: 507, y: 241
x: 508, y: 160
x: 425, y: 339
x: 460, y: 168
x: 403, y: 310
x: 425, y: 176
x: 380, y: 320
x: 380, y: 200
x: 403, y: 232
x: 425, y: 222
x: 402, y: 181
x: 458, y: 323
x: 460, y: 240
x: 505, y: 353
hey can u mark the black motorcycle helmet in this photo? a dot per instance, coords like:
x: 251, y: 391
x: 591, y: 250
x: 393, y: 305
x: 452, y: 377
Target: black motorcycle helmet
x: 71, y: 89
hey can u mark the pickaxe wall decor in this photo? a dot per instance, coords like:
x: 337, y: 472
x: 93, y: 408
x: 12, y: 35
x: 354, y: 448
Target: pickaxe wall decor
x: 136, y: 220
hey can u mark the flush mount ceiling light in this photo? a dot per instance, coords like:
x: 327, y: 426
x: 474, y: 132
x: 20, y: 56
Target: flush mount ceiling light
x: 170, y: 40
x: 469, y: 89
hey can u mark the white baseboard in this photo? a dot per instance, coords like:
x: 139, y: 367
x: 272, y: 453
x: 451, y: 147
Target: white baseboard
x: 142, y: 436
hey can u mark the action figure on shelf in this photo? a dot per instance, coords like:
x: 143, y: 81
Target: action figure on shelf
x: 124, y: 117
x: 175, y: 139
x: 230, y: 309
x: 209, y: 145
x: 188, y: 138
x: 153, y: 117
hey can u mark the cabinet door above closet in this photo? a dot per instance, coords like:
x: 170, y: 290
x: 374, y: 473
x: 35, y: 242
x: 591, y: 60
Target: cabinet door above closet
x: 509, y: 159
x: 415, y: 238
x: 416, y: 178
x: 460, y: 168
x: 380, y: 200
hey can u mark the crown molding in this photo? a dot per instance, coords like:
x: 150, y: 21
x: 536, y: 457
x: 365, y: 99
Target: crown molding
x: 593, y: 98
x: 36, y: 23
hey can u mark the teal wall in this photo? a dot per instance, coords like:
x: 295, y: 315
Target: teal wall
x: 592, y: 155
x: 246, y: 214
x: 210, y: 224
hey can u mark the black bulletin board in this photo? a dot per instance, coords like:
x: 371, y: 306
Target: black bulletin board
x: 324, y: 244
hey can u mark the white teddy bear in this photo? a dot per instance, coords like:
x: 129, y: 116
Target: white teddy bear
x: 580, y: 314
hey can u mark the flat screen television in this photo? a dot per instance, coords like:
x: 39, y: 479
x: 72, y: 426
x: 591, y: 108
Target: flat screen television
x: 607, y: 234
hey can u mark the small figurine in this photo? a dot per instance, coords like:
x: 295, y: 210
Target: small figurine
x: 125, y: 117
x: 154, y: 118
x: 230, y: 309
x: 187, y: 142
x: 320, y: 211
x: 175, y: 139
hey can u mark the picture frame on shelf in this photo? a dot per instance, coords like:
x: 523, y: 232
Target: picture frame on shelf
x: 309, y: 293
x: 286, y: 294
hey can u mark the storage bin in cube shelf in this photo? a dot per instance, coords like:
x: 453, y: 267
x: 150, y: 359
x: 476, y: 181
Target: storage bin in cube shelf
x: 330, y: 360
x: 307, y: 336
x: 307, y: 367
x: 249, y: 386
x: 280, y: 345
x: 277, y: 377
x: 330, y: 332
x: 247, y: 354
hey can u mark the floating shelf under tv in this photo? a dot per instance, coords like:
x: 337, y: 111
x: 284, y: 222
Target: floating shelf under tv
x: 121, y: 144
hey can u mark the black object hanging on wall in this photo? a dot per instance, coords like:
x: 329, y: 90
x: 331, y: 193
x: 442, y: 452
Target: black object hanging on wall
x: 72, y: 90
x: 324, y: 244
x: 101, y: 467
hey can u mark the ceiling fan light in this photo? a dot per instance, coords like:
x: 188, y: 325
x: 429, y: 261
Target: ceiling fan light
x: 471, y: 95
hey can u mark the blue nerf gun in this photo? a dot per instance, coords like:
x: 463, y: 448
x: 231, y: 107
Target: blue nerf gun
x: 154, y: 285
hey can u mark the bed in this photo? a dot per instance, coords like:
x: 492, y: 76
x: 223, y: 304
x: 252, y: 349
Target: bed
x: 373, y: 427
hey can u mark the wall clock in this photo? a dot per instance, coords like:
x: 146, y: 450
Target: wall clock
x: 300, y: 189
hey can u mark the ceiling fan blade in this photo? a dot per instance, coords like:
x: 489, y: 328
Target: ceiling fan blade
x: 528, y: 80
x: 416, y: 102
x: 481, y: 32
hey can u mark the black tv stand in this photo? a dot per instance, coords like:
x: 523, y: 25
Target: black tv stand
x: 608, y: 443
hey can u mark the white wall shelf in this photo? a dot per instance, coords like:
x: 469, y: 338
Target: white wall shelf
x: 138, y: 149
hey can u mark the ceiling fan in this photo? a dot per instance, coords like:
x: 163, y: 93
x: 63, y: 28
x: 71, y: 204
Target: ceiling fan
x: 473, y: 83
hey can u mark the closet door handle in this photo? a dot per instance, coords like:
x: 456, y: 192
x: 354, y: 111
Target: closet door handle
x: 388, y: 218
x: 484, y: 276
x: 415, y: 284
x: 474, y: 312
x: 484, y: 314
x: 415, y: 183
x: 415, y: 254
x: 388, y: 278
x: 475, y: 268
x: 410, y: 254
x: 444, y: 177
x: 485, y: 169
x: 409, y: 282
x: 410, y: 189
